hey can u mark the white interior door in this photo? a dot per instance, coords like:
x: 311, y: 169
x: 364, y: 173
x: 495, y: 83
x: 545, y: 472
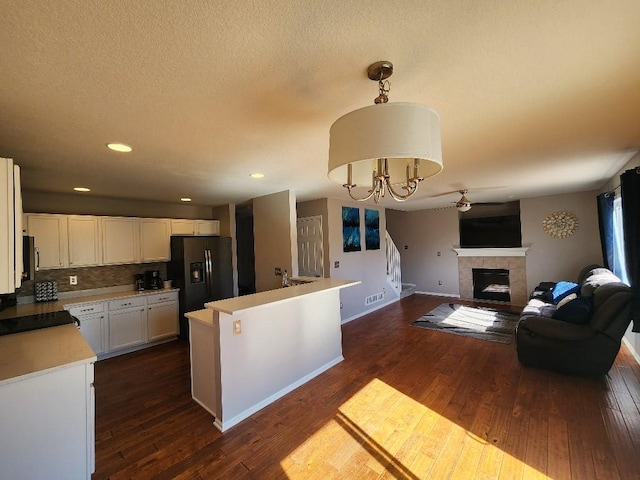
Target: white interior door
x: 310, y: 247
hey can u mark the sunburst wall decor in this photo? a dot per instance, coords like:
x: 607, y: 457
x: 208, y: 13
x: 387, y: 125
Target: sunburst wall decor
x: 560, y: 224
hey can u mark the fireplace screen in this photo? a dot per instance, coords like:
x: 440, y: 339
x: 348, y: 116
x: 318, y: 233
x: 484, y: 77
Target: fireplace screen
x: 491, y: 284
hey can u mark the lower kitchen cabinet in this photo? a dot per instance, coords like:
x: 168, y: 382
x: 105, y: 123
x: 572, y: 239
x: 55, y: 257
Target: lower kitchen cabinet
x: 127, y: 328
x: 117, y: 326
x: 162, y: 316
x: 92, y: 328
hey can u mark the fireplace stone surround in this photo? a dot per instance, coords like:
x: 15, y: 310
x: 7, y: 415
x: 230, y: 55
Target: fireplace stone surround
x: 512, y: 259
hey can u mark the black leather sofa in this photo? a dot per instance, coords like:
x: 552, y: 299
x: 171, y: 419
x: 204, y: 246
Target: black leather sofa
x: 587, y: 347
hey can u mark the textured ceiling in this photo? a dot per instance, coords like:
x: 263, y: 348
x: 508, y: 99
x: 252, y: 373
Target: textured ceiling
x: 535, y: 98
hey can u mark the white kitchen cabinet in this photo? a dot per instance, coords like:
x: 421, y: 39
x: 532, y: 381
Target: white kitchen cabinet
x: 155, y: 237
x: 48, y: 424
x: 127, y: 323
x: 84, y: 241
x: 93, y: 324
x: 208, y: 227
x: 120, y: 240
x: 50, y: 236
x: 182, y: 226
x: 162, y: 316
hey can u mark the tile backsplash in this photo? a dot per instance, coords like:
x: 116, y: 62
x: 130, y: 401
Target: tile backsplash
x: 91, y: 277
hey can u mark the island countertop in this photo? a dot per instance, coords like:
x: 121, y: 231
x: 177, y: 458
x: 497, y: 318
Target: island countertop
x: 233, y: 306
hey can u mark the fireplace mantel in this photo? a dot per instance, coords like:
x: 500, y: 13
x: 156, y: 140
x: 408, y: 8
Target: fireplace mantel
x: 492, y: 252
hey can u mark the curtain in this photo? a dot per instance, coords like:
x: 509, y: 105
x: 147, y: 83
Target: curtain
x: 605, y: 220
x: 630, y: 183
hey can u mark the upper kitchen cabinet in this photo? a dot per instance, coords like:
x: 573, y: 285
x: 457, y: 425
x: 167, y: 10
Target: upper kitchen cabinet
x: 120, y: 240
x: 208, y: 227
x: 184, y: 226
x: 155, y: 239
x: 84, y: 241
x: 50, y: 237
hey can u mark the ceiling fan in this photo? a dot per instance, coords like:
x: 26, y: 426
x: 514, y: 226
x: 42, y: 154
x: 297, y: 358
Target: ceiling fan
x: 464, y: 204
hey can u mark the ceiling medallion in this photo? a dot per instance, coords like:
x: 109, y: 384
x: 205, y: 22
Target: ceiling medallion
x: 560, y: 224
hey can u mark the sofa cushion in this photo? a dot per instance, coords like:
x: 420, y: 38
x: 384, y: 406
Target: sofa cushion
x: 576, y: 311
x: 562, y: 289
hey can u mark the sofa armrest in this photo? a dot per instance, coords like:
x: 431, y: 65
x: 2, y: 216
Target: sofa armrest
x: 554, y: 329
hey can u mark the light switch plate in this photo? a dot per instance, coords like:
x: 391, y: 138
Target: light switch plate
x: 237, y: 327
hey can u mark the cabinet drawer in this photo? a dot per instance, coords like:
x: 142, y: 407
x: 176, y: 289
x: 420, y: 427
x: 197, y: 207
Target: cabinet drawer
x: 126, y: 303
x: 162, y: 297
x: 85, y: 309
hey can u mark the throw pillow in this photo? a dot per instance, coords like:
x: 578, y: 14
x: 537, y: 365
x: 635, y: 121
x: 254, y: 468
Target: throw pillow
x: 562, y: 289
x: 576, y: 311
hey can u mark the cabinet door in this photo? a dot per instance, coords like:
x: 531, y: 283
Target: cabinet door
x: 50, y: 233
x: 84, y: 247
x: 92, y: 328
x: 155, y: 235
x: 162, y: 320
x: 120, y: 240
x: 207, y: 227
x: 127, y: 328
x: 183, y: 227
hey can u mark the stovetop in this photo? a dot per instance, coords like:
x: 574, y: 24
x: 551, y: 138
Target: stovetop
x: 34, y: 322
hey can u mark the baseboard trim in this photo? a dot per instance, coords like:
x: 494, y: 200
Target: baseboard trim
x: 366, y: 312
x: 634, y: 354
x: 224, y: 425
x: 438, y: 294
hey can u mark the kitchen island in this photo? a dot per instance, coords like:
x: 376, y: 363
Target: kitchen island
x: 47, y: 404
x: 246, y: 352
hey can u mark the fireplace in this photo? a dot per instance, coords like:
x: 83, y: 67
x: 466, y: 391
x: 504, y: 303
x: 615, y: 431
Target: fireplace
x: 491, y: 284
x: 510, y: 259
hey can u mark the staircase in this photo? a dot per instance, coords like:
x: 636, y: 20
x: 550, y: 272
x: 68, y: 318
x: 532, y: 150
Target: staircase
x: 394, y: 272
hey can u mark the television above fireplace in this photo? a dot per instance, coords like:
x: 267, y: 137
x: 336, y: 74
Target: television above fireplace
x: 499, y: 228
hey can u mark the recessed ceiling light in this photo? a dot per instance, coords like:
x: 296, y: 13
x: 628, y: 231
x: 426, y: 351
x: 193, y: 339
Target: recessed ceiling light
x: 185, y: 199
x: 257, y: 175
x: 82, y: 189
x: 119, y: 147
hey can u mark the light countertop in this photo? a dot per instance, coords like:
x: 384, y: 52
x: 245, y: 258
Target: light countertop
x: 204, y: 316
x: 39, y: 351
x: 59, y: 305
x: 236, y: 305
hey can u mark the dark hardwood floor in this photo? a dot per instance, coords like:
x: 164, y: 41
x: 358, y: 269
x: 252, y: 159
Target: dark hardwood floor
x: 406, y: 403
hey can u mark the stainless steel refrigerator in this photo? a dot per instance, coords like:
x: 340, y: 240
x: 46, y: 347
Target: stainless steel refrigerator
x: 201, y: 268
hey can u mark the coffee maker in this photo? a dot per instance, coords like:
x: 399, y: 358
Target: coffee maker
x: 153, y: 280
x: 139, y: 282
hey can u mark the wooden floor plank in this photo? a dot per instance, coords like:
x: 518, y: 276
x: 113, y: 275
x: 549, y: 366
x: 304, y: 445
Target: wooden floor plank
x: 405, y: 403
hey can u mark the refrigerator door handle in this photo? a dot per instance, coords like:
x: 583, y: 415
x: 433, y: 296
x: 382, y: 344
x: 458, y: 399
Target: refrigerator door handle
x: 207, y: 269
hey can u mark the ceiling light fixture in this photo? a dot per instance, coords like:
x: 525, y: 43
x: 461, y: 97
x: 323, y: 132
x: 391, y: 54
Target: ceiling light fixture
x: 463, y: 205
x: 257, y: 175
x: 119, y: 147
x: 387, y: 144
x: 185, y: 199
x: 82, y: 189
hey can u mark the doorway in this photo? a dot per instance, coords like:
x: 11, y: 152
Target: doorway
x: 310, y: 250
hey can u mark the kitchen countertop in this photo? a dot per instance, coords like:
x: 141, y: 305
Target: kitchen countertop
x: 38, y: 351
x: 59, y: 305
x: 236, y: 305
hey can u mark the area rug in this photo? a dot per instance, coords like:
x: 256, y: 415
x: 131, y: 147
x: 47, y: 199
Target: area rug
x: 477, y: 322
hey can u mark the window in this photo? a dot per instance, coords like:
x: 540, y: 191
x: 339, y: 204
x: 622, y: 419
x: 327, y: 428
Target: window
x: 618, y: 266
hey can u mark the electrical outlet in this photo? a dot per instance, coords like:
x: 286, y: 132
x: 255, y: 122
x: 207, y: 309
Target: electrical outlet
x: 73, y: 280
x: 438, y: 254
x: 237, y: 327
x: 439, y: 282
x: 278, y: 272
x: 336, y: 264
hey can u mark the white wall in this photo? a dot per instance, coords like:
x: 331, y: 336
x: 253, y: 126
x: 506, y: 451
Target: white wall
x: 424, y: 233
x: 427, y: 232
x: 368, y: 266
x: 553, y: 259
x: 275, y: 238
